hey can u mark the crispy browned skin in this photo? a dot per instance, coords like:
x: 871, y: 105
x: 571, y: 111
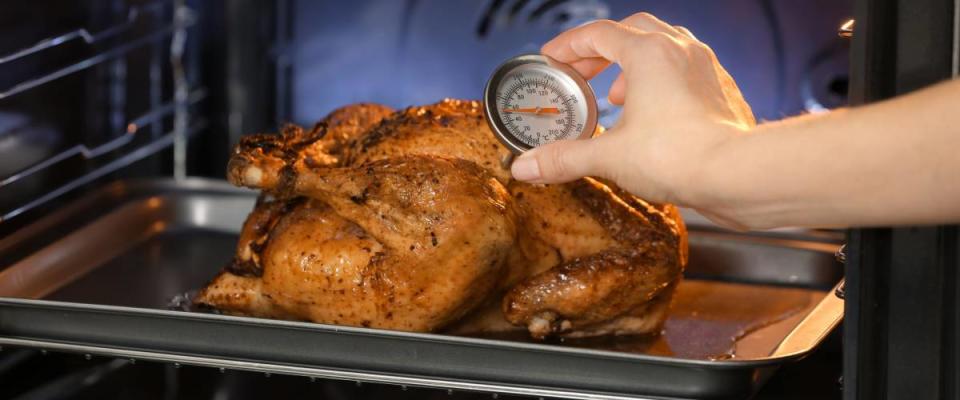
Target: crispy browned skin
x: 324, y: 145
x: 321, y: 146
x: 594, y: 259
x: 451, y: 128
x: 407, y: 223
x: 255, y: 232
x: 409, y: 243
x: 347, y: 123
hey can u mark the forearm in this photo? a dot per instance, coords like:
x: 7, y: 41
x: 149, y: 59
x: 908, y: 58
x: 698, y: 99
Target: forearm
x: 895, y: 162
x: 687, y: 136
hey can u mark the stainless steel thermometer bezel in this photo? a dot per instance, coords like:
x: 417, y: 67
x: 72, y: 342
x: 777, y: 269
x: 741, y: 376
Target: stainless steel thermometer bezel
x: 495, y: 117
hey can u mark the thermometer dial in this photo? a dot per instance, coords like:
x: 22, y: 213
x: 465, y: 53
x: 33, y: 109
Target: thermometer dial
x: 532, y: 100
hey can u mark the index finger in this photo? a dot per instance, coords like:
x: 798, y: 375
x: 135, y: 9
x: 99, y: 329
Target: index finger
x: 603, y: 39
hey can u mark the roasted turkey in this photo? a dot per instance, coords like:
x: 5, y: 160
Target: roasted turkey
x: 410, y: 220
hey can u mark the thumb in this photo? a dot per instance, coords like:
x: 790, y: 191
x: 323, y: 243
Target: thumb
x: 562, y: 161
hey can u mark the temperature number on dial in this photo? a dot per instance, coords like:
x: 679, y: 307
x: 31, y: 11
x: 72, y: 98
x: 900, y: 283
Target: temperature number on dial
x: 536, y: 110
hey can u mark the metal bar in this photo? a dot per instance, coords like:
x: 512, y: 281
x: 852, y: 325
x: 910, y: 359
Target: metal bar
x: 116, y: 89
x: 181, y: 20
x: 157, y: 56
x: 121, y: 162
x: 133, y: 127
x: 956, y: 39
x: 90, y: 38
x: 158, y: 112
x: 87, y: 63
x: 318, y: 372
x: 282, y: 63
x: 97, y: 59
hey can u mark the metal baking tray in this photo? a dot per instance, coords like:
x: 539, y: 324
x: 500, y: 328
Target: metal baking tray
x: 98, y: 276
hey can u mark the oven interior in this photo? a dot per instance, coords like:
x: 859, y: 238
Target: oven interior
x: 111, y: 90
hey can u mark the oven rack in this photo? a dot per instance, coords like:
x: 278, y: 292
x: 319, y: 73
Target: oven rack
x: 130, y: 139
x: 133, y: 16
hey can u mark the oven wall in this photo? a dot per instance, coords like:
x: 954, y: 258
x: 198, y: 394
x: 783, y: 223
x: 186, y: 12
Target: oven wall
x: 785, y: 55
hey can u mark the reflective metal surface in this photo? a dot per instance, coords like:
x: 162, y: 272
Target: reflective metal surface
x: 102, y: 286
x: 567, y: 81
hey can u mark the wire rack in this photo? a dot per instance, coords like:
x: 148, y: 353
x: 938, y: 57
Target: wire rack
x: 163, y: 25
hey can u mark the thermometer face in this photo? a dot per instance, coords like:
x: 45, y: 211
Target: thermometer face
x: 532, y: 100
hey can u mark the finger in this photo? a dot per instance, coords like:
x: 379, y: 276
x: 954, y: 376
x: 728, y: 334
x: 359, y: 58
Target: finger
x: 618, y: 91
x: 685, y: 31
x: 590, y: 67
x: 599, y: 39
x: 648, y: 22
x: 563, y: 161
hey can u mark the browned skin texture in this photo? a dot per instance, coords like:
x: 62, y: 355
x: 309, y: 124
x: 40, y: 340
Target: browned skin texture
x: 324, y: 145
x: 409, y: 243
x: 593, y: 260
x: 347, y: 123
x: 451, y: 128
x: 406, y: 222
x: 321, y: 146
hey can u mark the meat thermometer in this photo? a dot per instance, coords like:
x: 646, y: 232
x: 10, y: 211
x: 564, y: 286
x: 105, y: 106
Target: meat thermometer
x: 531, y: 100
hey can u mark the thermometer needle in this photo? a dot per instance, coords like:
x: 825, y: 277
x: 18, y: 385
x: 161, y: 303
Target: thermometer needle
x: 533, y: 110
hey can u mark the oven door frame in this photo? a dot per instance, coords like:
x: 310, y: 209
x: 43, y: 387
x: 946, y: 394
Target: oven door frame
x: 901, y: 323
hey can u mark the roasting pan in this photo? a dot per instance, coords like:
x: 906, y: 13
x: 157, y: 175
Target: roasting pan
x: 98, y: 276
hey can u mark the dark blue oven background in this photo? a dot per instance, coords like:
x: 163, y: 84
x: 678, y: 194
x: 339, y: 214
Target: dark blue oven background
x: 785, y: 55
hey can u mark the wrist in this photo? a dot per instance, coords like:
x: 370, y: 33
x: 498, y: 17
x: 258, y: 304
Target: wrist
x: 712, y: 186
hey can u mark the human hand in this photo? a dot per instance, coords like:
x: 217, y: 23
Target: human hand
x: 679, y: 106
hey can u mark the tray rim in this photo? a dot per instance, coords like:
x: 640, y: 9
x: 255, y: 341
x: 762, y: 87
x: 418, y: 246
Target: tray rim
x: 402, y: 335
x: 123, y: 192
x: 197, y: 186
x: 312, y: 372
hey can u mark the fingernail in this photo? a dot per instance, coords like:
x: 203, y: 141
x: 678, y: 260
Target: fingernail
x: 525, y: 169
